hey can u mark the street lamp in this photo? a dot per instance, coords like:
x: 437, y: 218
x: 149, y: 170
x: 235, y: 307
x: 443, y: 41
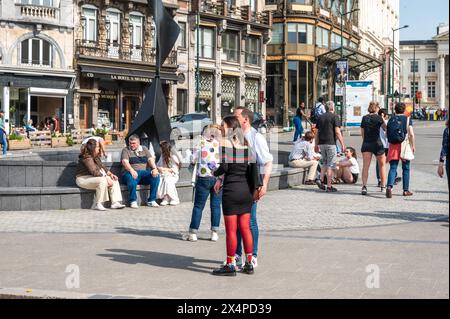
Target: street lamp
x: 391, y: 80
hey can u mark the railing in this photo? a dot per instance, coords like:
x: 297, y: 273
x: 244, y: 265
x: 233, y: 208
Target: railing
x: 105, y: 50
x: 37, y: 12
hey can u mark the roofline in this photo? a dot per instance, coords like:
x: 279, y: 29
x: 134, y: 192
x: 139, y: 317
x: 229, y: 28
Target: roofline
x: 417, y: 42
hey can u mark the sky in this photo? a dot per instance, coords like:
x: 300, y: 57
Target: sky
x: 423, y: 17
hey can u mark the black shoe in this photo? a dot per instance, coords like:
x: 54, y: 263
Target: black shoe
x: 227, y: 270
x: 389, y: 192
x: 331, y: 189
x: 379, y: 183
x: 364, y: 191
x: 397, y: 180
x: 248, y: 269
x: 320, y: 185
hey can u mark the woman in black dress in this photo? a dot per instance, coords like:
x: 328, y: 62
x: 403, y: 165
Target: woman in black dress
x: 239, y: 172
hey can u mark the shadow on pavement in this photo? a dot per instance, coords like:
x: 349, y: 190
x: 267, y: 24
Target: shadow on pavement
x: 428, y: 200
x: 157, y: 259
x: 150, y: 233
x: 406, y: 216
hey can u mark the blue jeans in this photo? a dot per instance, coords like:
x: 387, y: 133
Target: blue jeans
x: 204, y: 188
x: 144, y: 178
x: 255, y: 233
x: 298, y: 133
x: 3, y: 141
x: 406, y: 165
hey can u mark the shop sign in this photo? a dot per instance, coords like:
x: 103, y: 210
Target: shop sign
x: 130, y: 78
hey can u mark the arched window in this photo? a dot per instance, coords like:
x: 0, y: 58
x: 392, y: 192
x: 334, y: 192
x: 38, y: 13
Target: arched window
x: 113, y: 26
x: 136, y: 29
x: 36, y: 52
x: 90, y: 23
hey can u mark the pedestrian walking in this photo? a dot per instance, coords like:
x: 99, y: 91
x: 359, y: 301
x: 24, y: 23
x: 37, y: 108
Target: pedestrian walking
x: 3, y: 137
x: 328, y: 133
x: 401, y: 148
x: 264, y: 159
x: 302, y: 156
x: 241, y: 182
x: 93, y: 175
x: 207, y: 158
x: 371, y: 125
x: 169, y: 166
x: 444, y: 157
x: 298, y: 119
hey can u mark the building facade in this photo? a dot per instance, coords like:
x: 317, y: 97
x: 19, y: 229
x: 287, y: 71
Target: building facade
x: 232, y: 43
x: 306, y: 43
x: 379, y: 40
x: 425, y: 68
x: 36, y: 61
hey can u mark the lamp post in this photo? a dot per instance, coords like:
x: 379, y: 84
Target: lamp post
x: 197, y: 70
x: 392, y: 88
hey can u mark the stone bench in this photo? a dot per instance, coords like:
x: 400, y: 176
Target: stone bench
x: 28, y: 197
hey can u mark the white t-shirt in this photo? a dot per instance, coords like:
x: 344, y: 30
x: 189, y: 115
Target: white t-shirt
x: 354, y: 169
x: 258, y: 144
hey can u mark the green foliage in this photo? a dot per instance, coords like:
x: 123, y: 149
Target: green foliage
x: 101, y: 132
x: 14, y: 136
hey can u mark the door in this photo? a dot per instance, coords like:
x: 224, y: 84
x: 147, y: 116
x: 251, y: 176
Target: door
x: 85, y: 113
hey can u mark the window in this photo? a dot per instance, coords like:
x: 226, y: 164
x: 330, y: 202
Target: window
x: 414, y: 88
x: 414, y: 66
x: 47, y: 3
x: 277, y: 33
x: 136, y: 30
x: 90, y: 24
x: 431, y: 66
x: 253, y: 6
x: 113, y: 23
x: 335, y: 41
x: 230, y: 46
x: 432, y: 89
x: 322, y: 37
x: 206, y: 43
x: 36, y: 52
x: 300, y: 1
x: 182, y: 101
x: 300, y: 33
x: 182, y: 36
x: 252, y: 50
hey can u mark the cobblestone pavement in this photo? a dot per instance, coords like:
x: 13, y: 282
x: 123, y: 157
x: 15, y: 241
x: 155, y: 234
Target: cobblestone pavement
x: 298, y: 208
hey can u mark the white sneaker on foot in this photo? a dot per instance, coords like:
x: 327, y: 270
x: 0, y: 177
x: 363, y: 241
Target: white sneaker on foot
x: 254, y: 261
x: 164, y: 203
x: 152, y: 204
x: 99, y: 206
x: 214, y: 236
x: 174, y: 202
x: 134, y: 205
x: 190, y: 237
x: 117, y: 205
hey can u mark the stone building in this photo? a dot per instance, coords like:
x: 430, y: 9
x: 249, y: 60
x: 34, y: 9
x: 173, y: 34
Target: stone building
x: 233, y: 37
x: 426, y: 70
x: 36, y: 61
x: 115, y: 61
x: 305, y: 46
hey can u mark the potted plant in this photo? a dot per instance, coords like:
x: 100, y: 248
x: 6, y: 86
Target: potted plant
x: 58, y: 140
x: 18, y: 142
x: 104, y: 133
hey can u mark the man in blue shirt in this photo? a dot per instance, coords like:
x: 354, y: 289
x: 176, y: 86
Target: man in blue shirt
x: 3, y: 139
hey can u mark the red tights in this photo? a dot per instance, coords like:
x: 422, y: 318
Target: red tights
x: 231, y: 224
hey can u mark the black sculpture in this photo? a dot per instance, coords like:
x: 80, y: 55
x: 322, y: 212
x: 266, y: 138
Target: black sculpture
x: 153, y: 118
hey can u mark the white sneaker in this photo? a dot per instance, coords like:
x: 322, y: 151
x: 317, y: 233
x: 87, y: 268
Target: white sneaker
x: 117, y: 205
x: 152, y: 204
x: 164, y: 203
x: 99, y: 206
x: 174, y: 202
x: 214, y: 236
x: 254, y: 262
x: 134, y: 205
x: 190, y: 237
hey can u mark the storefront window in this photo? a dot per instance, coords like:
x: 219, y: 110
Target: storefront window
x: 300, y: 83
x: 18, y: 105
x: 274, y: 91
x: 206, y: 92
x: 300, y: 33
x: 228, y: 101
x: 252, y: 94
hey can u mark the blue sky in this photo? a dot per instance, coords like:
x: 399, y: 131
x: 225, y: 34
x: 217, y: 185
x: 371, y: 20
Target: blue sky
x: 423, y: 17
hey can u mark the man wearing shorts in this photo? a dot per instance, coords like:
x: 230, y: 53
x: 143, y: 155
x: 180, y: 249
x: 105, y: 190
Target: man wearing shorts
x: 329, y: 132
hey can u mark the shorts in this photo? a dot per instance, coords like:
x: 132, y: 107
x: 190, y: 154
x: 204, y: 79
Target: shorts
x: 329, y: 155
x: 375, y: 148
x: 355, y: 178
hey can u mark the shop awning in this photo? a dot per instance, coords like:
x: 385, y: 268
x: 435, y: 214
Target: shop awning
x: 357, y: 60
x: 122, y: 74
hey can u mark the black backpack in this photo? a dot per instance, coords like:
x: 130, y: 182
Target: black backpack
x: 313, y: 116
x: 396, y: 132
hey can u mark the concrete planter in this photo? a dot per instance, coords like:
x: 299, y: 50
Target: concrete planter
x: 19, y: 145
x: 59, y: 142
x: 108, y: 139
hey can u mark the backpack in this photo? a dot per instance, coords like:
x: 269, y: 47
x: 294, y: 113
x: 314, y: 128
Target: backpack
x: 313, y: 117
x: 396, y: 132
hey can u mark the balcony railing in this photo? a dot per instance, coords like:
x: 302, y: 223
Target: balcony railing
x: 132, y: 53
x: 37, y: 12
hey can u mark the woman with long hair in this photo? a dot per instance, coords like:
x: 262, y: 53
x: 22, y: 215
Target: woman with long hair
x: 240, y: 176
x: 169, y: 166
x: 348, y: 168
x: 92, y: 174
x: 371, y: 125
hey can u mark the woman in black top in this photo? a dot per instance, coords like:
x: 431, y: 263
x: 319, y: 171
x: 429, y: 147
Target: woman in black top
x: 372, y: 145
x: 240, y: 176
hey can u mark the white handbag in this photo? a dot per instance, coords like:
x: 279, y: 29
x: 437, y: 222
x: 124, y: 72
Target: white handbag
x: 406, y: 152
